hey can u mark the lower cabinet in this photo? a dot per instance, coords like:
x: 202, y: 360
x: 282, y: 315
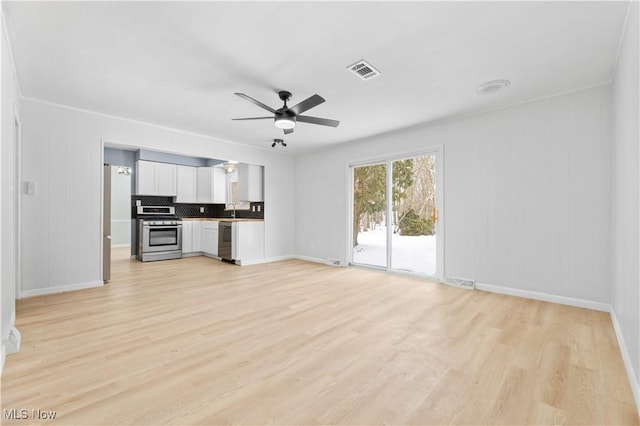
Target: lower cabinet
x: 210, y: 238
x: 187, y: 236
x: 191, y: 237
x: 247, y: 244
x: 196, y: 237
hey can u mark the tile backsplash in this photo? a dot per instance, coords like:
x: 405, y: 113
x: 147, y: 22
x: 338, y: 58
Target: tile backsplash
x: 256, y: 210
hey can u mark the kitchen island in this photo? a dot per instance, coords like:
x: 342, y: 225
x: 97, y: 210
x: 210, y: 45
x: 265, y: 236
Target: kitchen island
x: 201, y: 237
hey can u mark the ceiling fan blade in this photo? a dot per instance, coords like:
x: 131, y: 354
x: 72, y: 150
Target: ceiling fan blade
x: 253, y: 118
x: 260, y: 104
x: 307, y: 104
x: 316, y: 120
x: 287, y: 131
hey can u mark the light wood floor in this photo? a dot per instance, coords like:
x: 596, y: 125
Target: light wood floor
x: 197, y: 341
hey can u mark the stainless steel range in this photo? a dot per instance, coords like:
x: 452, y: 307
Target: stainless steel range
x: 159, y: 233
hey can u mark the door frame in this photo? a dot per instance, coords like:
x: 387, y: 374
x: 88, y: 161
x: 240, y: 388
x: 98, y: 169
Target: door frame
x: 16, y: 133
x: 438, y: 151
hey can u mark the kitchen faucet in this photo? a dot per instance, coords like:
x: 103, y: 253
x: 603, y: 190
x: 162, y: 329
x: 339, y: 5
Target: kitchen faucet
x: 233, y: 215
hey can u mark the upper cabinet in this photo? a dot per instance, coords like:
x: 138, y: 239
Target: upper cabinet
x: 187, y: 184
x: 250, y: 182
x: 206, y: 185
x: 211, y: 185
x: 156, y: 178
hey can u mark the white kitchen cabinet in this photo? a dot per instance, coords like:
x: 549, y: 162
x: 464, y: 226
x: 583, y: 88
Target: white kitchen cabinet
x: 250, y: 182
x: 145, y: 178
x: 219, y: 185
x: 191, y: 237
x: 186, y: 184
x: 187, y: 237
x: 210, y: 238
x: 155, y: 178
x: 247, y: 243
x: 166, y: 179
x: 211, y: 185
x: 196, y: 236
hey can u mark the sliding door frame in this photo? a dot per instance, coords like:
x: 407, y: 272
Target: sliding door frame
x: 438, y: 151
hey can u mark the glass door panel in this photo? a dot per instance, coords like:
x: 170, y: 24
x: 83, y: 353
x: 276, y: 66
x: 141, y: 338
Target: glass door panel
x: 369, y: 215
x: 414, y: 215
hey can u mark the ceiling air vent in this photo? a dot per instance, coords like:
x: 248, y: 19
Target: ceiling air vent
x: 364, y: 70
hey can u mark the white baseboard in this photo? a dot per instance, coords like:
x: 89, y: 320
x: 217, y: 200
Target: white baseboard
x: 628, y: 363
x: 264, y: 260
x: 286, y: 257
x: 279, y: 258
x: 250, y: 262
x: 563, y: 300
x: 309, y: 259
x: 60, y: 289
x: 318, y: 260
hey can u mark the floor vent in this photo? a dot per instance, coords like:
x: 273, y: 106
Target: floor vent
x: 12, y: 344
x: 364, y: 70
x: 461, y: 282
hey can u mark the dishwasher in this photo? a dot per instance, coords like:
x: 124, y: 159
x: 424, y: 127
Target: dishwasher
x: 225, y: 237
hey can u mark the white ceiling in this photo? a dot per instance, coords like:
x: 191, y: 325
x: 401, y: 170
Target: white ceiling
x: 178, y: 64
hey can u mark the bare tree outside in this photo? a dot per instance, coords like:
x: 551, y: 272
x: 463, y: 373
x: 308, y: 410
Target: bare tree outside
x: 412, y: 205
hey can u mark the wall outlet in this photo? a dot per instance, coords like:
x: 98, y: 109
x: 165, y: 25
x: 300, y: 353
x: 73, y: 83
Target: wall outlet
x: 258, y: 207
x: 138, y: 203
x: 201, y: 209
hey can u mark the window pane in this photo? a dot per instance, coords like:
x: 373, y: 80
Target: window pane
x: 369, y: 215
x: 413, y: 243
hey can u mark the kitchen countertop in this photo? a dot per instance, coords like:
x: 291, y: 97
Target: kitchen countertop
x: 221, y: 219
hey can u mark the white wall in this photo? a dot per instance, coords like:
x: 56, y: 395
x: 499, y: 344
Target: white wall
x: 526, y: 194
x: 626, y: 198
x: 7, y: 188
x: 62, y: 153
x: 120, y: 208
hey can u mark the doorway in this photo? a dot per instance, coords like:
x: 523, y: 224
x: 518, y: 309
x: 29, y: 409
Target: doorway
x: 397, y: 215
x: 116, y: 238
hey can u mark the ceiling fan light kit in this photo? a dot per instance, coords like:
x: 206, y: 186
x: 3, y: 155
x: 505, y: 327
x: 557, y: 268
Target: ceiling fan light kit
x: 285, y: 123
x: 286, y: 118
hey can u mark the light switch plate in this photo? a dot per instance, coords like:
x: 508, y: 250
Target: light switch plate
x: 31, y: 188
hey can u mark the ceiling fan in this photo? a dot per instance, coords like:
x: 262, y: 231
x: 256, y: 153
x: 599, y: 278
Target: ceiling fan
x: 285, y: 118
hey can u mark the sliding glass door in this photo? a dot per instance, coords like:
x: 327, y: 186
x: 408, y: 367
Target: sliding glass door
x: 395, y: 215
x: 369, y: 215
